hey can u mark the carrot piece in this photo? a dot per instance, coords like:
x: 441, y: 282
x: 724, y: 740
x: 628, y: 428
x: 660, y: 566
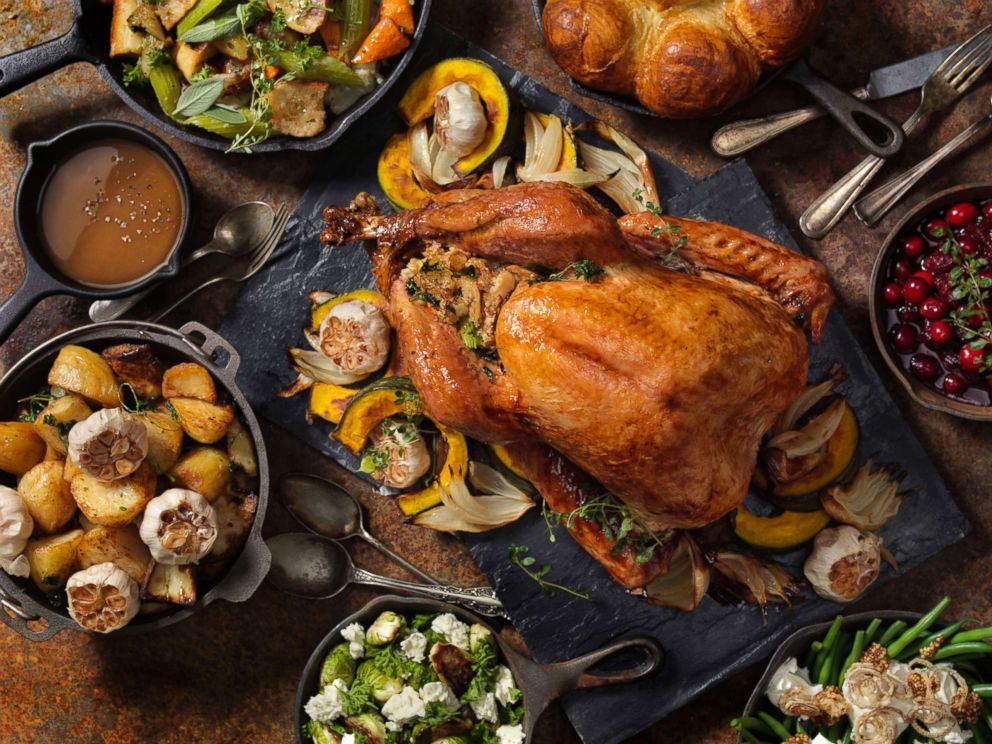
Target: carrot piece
x: 271, y: 71
x: 401, y: 11
x: 330, y: 33
x: 385, y: 40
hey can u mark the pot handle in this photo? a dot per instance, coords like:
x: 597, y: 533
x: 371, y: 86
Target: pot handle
x: 247, y: 573
x: 25, y: 297
x: 16, y: 617
x: 575, y: 674
x: 211, y: 343
x: 20, y: 68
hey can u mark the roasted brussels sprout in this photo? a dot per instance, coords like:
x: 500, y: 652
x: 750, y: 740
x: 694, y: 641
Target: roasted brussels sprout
x: 480, y: 636
x: 370, y: 725
x: 321, y: 734
x: 383, y: 686
x: 453, y: 666
x: 338, y: 665
x: 384, y: 629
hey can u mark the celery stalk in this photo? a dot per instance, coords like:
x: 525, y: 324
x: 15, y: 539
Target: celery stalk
x: 327, y: 69
x: 357, y: 22
x: 199, y: 12
x: 165, y: 82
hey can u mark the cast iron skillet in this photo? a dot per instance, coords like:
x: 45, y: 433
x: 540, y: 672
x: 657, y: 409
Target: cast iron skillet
x: 540, y: 683
x: 89, y: 41
x: 25, y: 606
x: 41, y: 277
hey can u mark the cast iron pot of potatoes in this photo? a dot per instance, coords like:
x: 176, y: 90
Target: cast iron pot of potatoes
x: 133, y: 481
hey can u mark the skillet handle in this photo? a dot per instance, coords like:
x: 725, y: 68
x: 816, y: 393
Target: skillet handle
x: 16, y: 617
x: 25, y: 297
x: 20, y: 68
x: 575, y: 674
x: 212, y: 342
x: 843, y: 107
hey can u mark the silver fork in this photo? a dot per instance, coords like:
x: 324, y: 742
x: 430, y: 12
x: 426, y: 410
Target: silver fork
x: 244, y: 270
x: 947, y: 83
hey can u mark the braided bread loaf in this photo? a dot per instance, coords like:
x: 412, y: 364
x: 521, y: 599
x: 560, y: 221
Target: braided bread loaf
x: 680, y: 58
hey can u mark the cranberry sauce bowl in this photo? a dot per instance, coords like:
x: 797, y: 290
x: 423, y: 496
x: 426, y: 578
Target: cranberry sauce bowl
x: 931, y: 301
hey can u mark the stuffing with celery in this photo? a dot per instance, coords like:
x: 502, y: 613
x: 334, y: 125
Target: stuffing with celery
x: 250, y: 70
x: 405, y: 680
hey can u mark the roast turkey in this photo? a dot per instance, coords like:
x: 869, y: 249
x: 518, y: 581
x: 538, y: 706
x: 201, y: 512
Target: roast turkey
x: 646, y: 356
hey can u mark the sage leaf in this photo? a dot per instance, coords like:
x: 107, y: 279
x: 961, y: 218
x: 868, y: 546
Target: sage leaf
x: 199, y: 97
x: 226, y: 115
x: 225, y: 24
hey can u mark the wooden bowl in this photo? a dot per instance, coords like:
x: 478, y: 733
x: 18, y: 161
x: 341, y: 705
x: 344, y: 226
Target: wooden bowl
x: 918, y: 391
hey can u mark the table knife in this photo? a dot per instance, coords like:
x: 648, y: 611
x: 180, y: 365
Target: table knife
x: 739, y: 137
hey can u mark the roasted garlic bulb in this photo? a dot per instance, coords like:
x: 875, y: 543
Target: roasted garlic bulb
x: 16, y: 524
x: 459, y: 127
x: 102, y: 598
x: 869, y: 500
x: 179, y: 527
x: 844, y: 562
x: 397, y: 455
x: 109, y: 444
x: 354, y: 339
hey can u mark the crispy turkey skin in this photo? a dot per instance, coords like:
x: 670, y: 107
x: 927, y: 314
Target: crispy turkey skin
x: 655, y: 384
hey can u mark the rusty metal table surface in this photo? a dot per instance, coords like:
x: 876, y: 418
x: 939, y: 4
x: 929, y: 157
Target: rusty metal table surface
x: 229, y: 674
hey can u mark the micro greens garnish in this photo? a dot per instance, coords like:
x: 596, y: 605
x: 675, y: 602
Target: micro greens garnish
x: 520, y: 558
x: 972, y: 288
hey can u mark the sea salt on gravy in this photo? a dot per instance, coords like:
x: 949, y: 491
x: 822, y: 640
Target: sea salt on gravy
x: 110, y: 213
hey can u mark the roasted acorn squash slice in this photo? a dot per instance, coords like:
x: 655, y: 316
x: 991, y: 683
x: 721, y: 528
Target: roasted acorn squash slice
x: 455, y: 465
x: 390, y: 396
x: 783, y: 532
x: 329, y: 401
x: 502, y: 112
x: 396, y: 177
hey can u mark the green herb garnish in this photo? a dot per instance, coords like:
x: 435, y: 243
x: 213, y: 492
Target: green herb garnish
x: 469, y: 333
x: 134, y: 75
x: 417, y: 293
x: 520, y: 558
x: 970, y: 287
x: 584, y: 269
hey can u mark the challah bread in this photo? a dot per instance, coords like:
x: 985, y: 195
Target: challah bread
x: 680, y: 58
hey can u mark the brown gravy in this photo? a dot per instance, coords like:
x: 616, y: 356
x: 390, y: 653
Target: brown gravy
x: 110, y: 213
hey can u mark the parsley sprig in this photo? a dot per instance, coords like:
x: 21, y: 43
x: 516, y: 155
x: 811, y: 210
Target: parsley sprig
x: 519, y: 557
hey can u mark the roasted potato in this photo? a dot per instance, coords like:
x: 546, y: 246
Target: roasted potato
x: 165, y: 437
x: 174, y: 584
x: 124, y: 40
x: 303, y: 17
x: 189, y: 380
x: 47, y: 496
x: 70, y: 471
x: 205, y: 422
x: 235, y: 514
x: 55, y: 420
x: 138, y: 366
x: 241, y: 449
x: 20, y: 447
x: 113, y: 503
x: 235, y: 47
x: 121, y: 546
x: 298, y: 107
x: 205, y: 470
x: 172, y: 11
x: 86, y: 373
x: 53, y: 559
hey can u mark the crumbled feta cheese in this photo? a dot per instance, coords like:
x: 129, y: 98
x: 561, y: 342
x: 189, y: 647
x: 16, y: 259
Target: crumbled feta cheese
x: 328, y: 705
x: 348, y: 739
x: 414, y: 646
x: 510, y: 734
x: 390, y: 726
x: 18, y: 566
x: 355, y: 635
x: 404, y: 706
x: 439, y: 692
x: 485, y: 709
x: 506, y: 693
x: 453, y: 630
x: 821, y: 739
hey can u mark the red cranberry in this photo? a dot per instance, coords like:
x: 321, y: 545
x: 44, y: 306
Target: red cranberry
x: 971, y: 359
x: 892, y: 292
x: 937, y: 229
x: 961, y: 214
x: 925, y: 276
x: 913, y: 247
x: 975, y: 321
x: 955, y: 384
x: 924, y: 367
x: 933, y: 308
x: 909, y: 314
x: 903, y: 337
x: 916, y: 289
x: 936, y: 263
x: 968, y: 244
x: 902, y: 270
x: 987, y: 210
x: 942, y: 286
x: 941, y: 332
x: 950, y: 359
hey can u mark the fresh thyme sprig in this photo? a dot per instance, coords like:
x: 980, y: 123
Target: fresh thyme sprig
x: 668, y: 230
x: 520, y: 558
x: 584, y: 269
x: 972, y: 288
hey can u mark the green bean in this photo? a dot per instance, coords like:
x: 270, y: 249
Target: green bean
x: 984, y: 690
x: 810, y: 659
x: 751, y: 723
x: 872, y: 629
x: 895, y: 629
x: 912, y: 651
x: 848, y: 734
x: 832, y: 633
x: 788, y: 722
x: 832, y: 733
x: 775, y: 725
x: 978, y: 634
x: 921, y: 626
x: 354, y: 29
x: 856, y: 650
x: 976, y: 732
x: 963, y: 649
x: 831, y: 668
x: 750, y: 738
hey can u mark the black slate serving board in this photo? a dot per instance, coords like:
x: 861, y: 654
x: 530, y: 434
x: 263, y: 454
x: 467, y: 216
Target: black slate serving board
x: 704, y: 647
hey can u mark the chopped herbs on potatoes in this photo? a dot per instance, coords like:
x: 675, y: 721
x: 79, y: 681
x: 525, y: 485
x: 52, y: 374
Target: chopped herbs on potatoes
x: 401, y: 687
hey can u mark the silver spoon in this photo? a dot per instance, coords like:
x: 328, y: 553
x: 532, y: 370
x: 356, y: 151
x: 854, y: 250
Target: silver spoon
x: 238, y: 231
x: 328, y: 510
x: 314, y: 567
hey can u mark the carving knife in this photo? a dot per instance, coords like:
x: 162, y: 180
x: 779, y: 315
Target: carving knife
x: 741, y: 136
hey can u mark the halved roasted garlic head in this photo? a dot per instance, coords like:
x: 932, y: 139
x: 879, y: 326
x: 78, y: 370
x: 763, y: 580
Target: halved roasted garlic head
x: 179, y: 527
x: 354, y: 338
x: 102, y: 598
x: 109, y: 444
